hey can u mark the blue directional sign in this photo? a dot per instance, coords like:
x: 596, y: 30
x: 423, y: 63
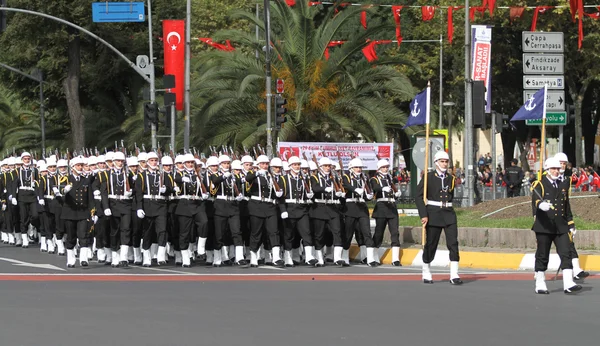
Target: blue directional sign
x: 118, y: 12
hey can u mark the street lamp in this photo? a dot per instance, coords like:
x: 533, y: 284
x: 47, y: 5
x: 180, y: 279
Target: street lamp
x: 450, y: 106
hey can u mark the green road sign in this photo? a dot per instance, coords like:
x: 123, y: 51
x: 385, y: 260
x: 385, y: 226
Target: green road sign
x: 552, y: 119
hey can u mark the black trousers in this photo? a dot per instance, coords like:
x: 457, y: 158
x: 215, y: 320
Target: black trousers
x: 263, y: 227
x: 542, y: 253
x: 120, y: 230
x: 245, y: 228
x: 15, y: 223
x: 392, y: 224
x: 319, y: 232
x: 78, y: 229
x: 227, y: 227
x: 154, y: 228
x: 361, y: 228
x: 432, y: 235
x: 294, y: 227
x: 513, y: 192
x: 48, y: 224
x: 102, y: 230
x: 29, y: 215
x: 186, y: 228
x: 60, y: 226
x: 136, y: 229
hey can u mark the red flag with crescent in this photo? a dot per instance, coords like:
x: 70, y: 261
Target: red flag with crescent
x: 174, y: 51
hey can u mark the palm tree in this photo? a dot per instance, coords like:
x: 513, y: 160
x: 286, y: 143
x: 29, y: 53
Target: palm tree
x: 334, y: 99
x: 20, y: 126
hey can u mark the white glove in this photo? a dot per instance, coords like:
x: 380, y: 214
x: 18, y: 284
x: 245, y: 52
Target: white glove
x: 239, y: 197
x: 261, y: 172
x: 185, y: 179
x: 279, y: 193
x: 339, y: 194
x: 134, y: 177
x: 359, y: 191
x: 573, y: 231
x: 42, y: 202
x: 369, y: 196
x: 95, y: 219
x: 57, y: 191
x: 68, y: 188
x: 386, y: 189
x: 205, y: 196
x: 107, y: 212
x: 162, y: 189
x: 97, y: 193
x: 284, y: 215
x: 3, y: 207
x: 128, y: 193
x: 14, y: 201
x: 544, y: 206
x: 398, y: 194
x: 176, y: 189
x: 140, y: 213
x: 10, y: 198
x: 328, y: 189
x: 226, y: 175
x: 310, y: 195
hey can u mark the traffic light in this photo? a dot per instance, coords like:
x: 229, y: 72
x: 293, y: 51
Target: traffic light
x: 478, y: 103
x: 502, y: 122
x: 150, y: 115
x: 280, y: 111
x: 570, y: 113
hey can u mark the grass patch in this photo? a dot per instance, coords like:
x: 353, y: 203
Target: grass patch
x: 473, y: 219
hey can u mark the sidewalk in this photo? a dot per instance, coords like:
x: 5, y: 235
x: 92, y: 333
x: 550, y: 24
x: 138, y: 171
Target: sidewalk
x: 481, y: 259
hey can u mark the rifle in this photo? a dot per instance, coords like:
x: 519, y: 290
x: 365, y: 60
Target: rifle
x: 143, y: 148
x: 171, y: 151
x: 254, y: 149
x: 96, y: 150
x: 159, y: 151
x: 341, y: 163
x: 246, y: 151
x: 123, y: 148
x: 137, y: 150
x: 262, y: 151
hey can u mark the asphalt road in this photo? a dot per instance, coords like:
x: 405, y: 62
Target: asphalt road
x: 292, y: 307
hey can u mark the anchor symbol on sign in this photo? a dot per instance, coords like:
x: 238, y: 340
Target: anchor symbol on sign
x: 415, y: 112
x: 529, y: 106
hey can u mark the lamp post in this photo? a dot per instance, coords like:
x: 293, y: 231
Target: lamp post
x: 450, y: 106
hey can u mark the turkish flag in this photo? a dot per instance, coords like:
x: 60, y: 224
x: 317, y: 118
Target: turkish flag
x: 369, y: 50
x: 174, y: 50
x: 582, y: 179
x: 286, y: 152
x: 516, y: 12
x: 396, y: 11
x: 427, y: 13
x: 227, y: 47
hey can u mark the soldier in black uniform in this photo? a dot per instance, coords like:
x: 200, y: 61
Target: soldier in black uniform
x: 50, y: 192
x: 246, y: 162
x: 167, y: 172
x: 63, y: 174
x: 358, y: 192
x: 151, y: 189
x: 134, y: 253
x: 513, y: 178
x: 553, y: 223
x: 77, y: 214
x: 23, y: 193
x: 102, y: 227
x: 263, y: 211
x: 116, y: 202
x: 324, y: 212
x: 6, y: 178
x: 3, y: 169
x: 438, y: 214
x: 565, y: 181
x: 206, y: 235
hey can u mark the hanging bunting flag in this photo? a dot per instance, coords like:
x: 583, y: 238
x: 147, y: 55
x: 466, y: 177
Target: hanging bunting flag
x: 451, y: 10
x: 427, y: 13
x: 290, y: 2
x: 363, y: 19
x: 593, y: 15
x: 314, y: 3
x: 573, y: 4
x: 332, y: 44
x: 369, y: 50
x: 491, y: 5
x: 396, y: 11
x: 473, y: 10
x: 516, y: 12
x: 538, y: 10
x: 227, y: 47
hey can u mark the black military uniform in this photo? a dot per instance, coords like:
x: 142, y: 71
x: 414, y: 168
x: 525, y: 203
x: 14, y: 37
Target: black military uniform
x: 77, y: 214
x: 385, y: 212
x: 60, y: 223
x: 206, y: 234
x: 116, y: 197
x: 324, y: 212
x: 227, y: 192
x: 7, y: 216
x: 102, y: 227
x: 513, y: 178
x: 50, y: 192
x: 357, y: 213
x: 24, y: 190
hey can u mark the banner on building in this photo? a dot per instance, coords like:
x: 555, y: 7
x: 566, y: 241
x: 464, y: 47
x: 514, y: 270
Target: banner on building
x: 481, y: 43
x: 367, y: 152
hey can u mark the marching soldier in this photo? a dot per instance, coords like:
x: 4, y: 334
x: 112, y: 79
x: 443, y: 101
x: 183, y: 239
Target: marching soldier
x: 6, y: 180
x: 553, y: 224
x: 565, y: 182
x: 136, y: 222
x: 23, y: 194
x: 438, y: 214
x: 49, y: 191
x: 102, y: 227
x: 63, y: 174
x: 386, y: 211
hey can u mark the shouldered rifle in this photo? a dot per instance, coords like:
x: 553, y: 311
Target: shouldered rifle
x: 341, y: 163
x: 137, y: 150
x: 143, y: 147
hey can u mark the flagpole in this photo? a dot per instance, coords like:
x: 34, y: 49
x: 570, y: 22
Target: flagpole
x: 423, y: 233
x: 543, y: 148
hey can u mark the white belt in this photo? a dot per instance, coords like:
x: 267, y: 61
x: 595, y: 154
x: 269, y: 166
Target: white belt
x: 26, y: 188
x: 155, y: 197
x: 261, y: 199
x: 295, y: 201
x: 98, y: 198
x: 355, y: 200
x: 193, y: 198
x: 119, y: 197
x: 327, y: 201
x: 226, y: 198
x: 386, y: 200
x: 49, y: 196
x: 440, y: 204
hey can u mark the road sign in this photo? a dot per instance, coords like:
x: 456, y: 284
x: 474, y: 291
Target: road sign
x: 143, y: 62
x: 552, y: 119
x: 543, y: 42
x: 537, y: 82
x: 555, y: 100
x: 118, y: 12
x: 279, y: 85
x: 543, y: 63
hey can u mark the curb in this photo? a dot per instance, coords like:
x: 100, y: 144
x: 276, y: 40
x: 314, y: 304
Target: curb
x: 479, y: 260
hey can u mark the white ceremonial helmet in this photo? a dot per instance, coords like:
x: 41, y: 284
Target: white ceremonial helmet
x: 236, y: 164
x: 212, y: 161
x: 382, y: 163
x: 324, y: 161
x: 166, y: 160
x: 276, y: 162
x: 247, y: 159
x: 294, y: 159
x: 356, y: 162
x: 262, y: 159
x: 224, y: 158
x: 441, y: 155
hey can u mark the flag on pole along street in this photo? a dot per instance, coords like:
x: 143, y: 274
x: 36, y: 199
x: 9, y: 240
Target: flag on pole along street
x: 174, y: 56
x: 534, y: 107
x: 419, y: 110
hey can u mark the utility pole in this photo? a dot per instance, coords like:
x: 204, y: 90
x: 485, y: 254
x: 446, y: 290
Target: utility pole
x: 468, y: 149
x: 186, y: 97
x: 268, y: 76
x: 152, y: 78
x: 494, y: 129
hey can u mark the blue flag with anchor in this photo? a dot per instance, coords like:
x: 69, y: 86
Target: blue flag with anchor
x: 419, y: 110
x: 534, y: 107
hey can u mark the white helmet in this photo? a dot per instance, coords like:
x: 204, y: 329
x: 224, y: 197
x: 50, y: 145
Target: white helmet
x: 200, y: 163
x: 150, y: 155
x: 286, y: 166
x: 304, y: 164
x: 92, y: 160
x: 262, y: 159
x: 62, y: 163
x: 336, y: 165
x: 224, y: 158
x: 551, y: 162
x: 41, y: 167
x: 10, y: 161
x: 312, y: 165
x: 324, y: 161
x: 276, y: 162
x: 247, y: 159
x: 294, y: 159
x: 109, y: 156
x: 561, y: 157
x: 40, y: 162
x: 356, y: 162
x: 212, y: 161
x: 18, y: 161
x: 179, y: 159
x: 236, y: 164
x: 24, y: 154
x: 142, y: 156
x: 382, y: 163
x: 166, y: 160
x: 118, y: 156
x: 188, y: 158
x: 76, y: 160
x: 101, y: 159
x: 132, y: 161
x: 441, y: 155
